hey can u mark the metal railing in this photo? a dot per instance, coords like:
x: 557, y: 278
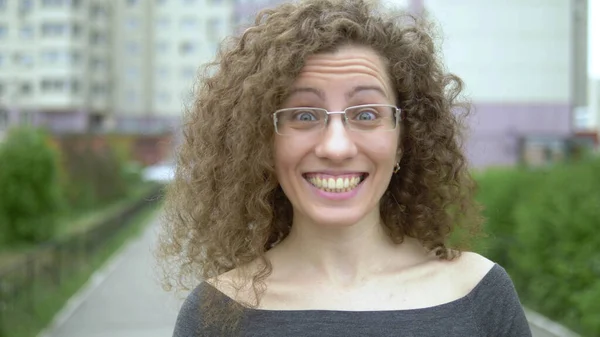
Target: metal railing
x: 44, y: 271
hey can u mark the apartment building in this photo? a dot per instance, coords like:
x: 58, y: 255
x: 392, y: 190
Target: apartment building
x: 53, y: 63
x: 124, y: 65
x: 524, y: 64
x: 159, y: 48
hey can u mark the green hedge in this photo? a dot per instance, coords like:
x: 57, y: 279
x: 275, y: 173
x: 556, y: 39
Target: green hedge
x: 543, y: 228
x: 30, y: 194
x: 43, y: 179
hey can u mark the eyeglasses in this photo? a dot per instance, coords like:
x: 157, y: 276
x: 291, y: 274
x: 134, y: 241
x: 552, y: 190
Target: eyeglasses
x: 365, y: 118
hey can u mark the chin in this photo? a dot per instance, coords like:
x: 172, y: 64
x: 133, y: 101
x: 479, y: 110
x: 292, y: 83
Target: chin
x: 337, y: 218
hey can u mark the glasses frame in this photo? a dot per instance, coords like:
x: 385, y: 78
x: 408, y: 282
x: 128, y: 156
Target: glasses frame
x: 397, y: 115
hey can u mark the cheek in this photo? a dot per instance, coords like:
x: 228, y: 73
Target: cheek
x: 285, y: 155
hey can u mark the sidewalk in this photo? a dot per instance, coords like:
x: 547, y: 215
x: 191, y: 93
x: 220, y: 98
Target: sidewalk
x: 124, y: 299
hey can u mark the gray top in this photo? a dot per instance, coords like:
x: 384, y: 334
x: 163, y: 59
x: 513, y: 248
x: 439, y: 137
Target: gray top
x: 492, y: 308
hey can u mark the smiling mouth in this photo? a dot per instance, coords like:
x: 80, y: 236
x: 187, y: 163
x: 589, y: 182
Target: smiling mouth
x: 336, y: 184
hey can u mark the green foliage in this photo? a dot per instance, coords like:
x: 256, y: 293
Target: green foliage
x: 546, y: 225
x: 95, y: 174
x: 499, y: 191
x: 30, y: 194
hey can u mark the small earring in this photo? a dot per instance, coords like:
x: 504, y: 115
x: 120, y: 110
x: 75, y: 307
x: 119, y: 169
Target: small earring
x: 397, y: 167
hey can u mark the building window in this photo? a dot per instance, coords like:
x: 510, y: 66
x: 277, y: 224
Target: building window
x: 25, y: 6
x: 76, y: 57
x: 50, y: 56
x: 75, y: 86
x: 26, y: 32
x: 25, y: 89
x: 132, y: 47
x: 162, y: 72
x: 132, y: 73
x: 23, y: 59
x: 187, y: 73
x: 98, y: 64
x: 131, y: 96
x: 52, y: 3
x: 3, y: 31
x: 189, y: 24
x: 163, y: 97
x: 53, y: 29
x: 97, y: 12
x: 76, y: 29
x: 131, y: 23
x: 52, y: 85
x: 215, y: 27
x: 162, y: 47
x: 162, y: 23
x: 98, y: 89
x: 186, y: 48
x: 97, y: 37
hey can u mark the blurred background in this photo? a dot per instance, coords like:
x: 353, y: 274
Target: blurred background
x: 92, y: 94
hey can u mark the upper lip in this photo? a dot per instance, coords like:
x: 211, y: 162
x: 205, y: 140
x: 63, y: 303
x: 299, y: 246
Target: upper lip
x: 334, y: 172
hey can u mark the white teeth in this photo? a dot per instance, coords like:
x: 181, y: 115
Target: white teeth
x: 330, y: 183
x: 335, y: 184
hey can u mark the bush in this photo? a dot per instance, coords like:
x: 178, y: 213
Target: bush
x: 547, y: 223
x: 30, y: 194
x: 499, y: 191
x: 96, y: 175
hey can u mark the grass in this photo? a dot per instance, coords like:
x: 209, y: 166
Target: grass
x: 49, y: 300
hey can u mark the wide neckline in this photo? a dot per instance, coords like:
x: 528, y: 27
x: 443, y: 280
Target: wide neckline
x: 451, y: 305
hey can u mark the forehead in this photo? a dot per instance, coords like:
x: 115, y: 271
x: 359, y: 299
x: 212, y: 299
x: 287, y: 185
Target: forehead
x: 351, y: 63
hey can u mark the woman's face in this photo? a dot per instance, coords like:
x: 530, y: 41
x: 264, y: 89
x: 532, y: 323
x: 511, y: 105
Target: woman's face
x: 336, y: 176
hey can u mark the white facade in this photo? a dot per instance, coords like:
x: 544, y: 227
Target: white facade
x: 49, y: 61
x: 160, y: 46
x: 78, y: 64
x: 508, y: 51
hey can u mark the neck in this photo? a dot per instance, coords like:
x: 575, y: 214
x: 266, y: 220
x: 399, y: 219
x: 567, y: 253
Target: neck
x: 343, y: 255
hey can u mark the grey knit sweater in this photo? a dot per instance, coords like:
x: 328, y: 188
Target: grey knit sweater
x: 491, y: 309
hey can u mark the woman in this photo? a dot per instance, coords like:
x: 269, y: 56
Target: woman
x: 319, y: 182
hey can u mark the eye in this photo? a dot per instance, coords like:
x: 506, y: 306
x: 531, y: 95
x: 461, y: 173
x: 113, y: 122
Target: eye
x: 367, y: 114
x: 304, y: 116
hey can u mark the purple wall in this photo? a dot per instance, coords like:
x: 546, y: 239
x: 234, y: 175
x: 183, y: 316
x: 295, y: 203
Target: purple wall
x: 496, y: 128
x: 63, y: 121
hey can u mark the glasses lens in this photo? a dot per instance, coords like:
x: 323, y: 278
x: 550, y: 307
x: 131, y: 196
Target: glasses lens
x: 372, y: 117
x: 290, y: 121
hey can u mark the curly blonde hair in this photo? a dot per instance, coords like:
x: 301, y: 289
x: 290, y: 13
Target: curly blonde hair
x: 225, y: 207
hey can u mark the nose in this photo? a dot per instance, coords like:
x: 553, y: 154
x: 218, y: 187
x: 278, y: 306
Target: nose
x: 336, y: 143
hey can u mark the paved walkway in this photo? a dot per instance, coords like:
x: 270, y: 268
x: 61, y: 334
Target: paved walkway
x: 125, y: 300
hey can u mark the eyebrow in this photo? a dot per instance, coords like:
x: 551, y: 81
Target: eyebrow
x: 365, y: 88
x: 349, y: 95
x: 317, y: 92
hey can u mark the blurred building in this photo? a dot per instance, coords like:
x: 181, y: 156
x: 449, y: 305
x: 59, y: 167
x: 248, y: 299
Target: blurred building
x: 160, y: 45
x: 525, y: 68
x: 123, y: 65
x: 54, y: 62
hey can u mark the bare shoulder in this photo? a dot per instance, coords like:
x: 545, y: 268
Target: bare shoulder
x: 469, y: 269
